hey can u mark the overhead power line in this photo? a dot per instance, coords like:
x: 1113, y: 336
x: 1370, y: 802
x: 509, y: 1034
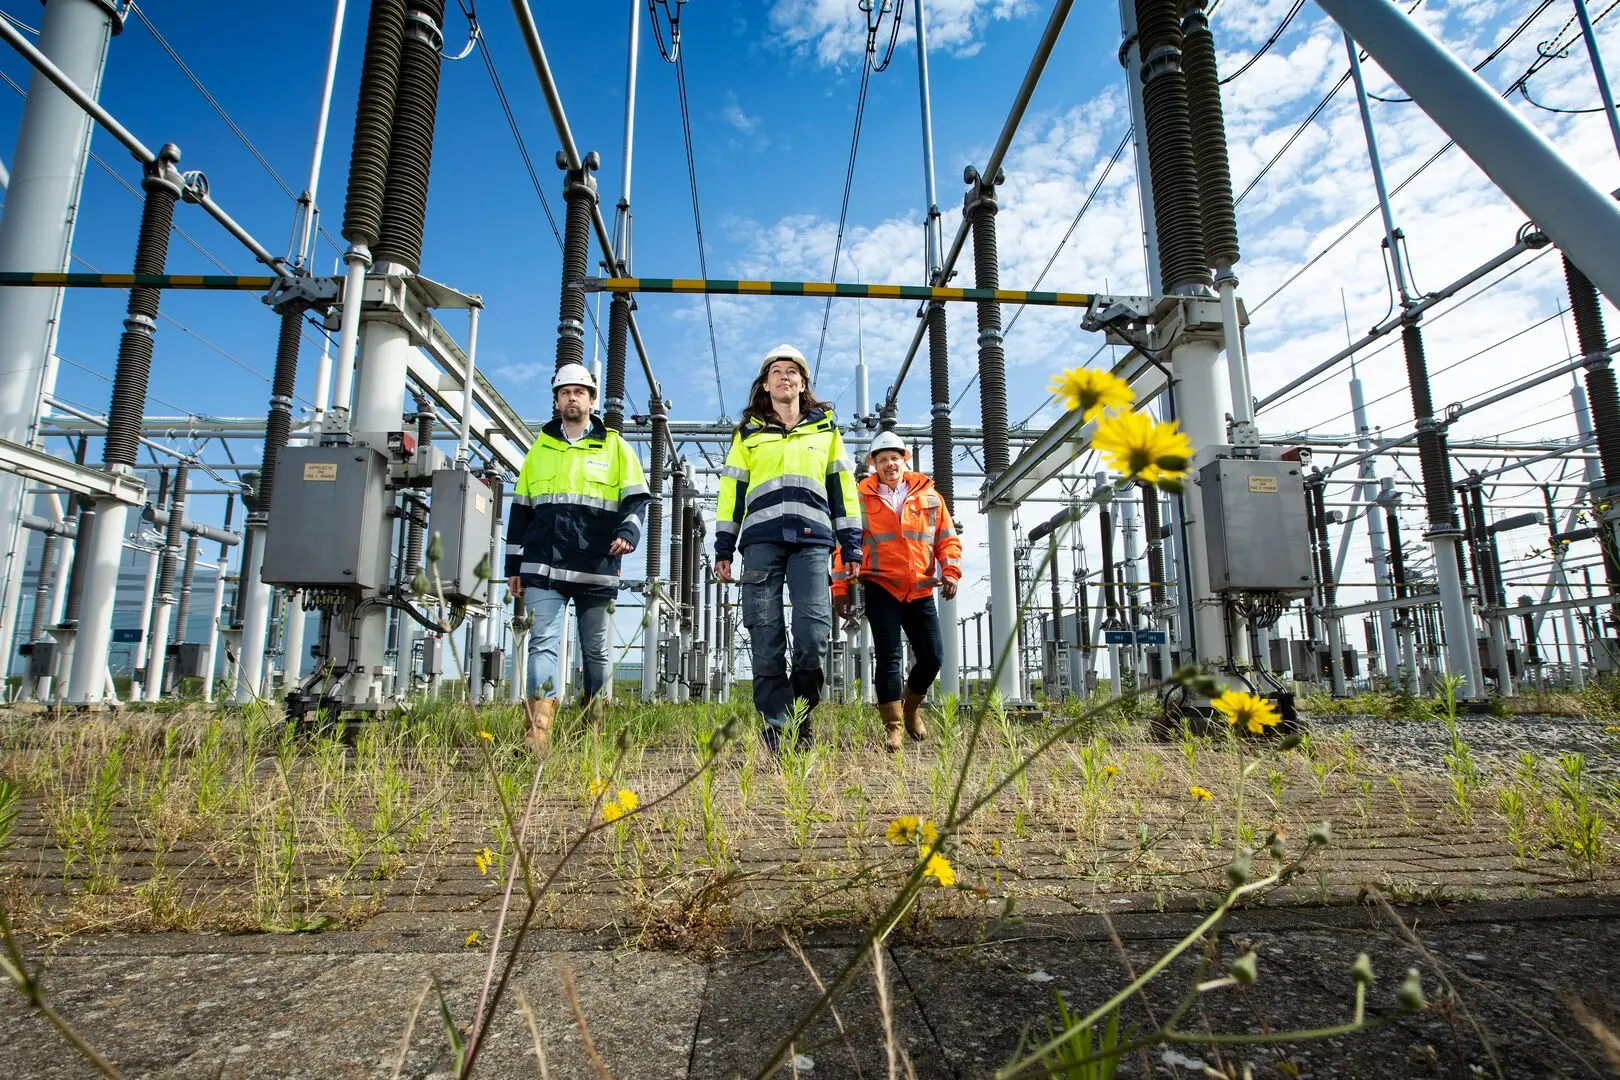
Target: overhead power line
x: 672, y: 53
x: 870, y: 64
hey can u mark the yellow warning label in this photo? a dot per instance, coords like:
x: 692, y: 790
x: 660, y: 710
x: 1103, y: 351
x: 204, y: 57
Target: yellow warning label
x: 1256, y: 483
x: 327, y: 470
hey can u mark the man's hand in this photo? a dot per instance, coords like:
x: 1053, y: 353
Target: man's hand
x: 515, y: 585
x: 947, y: 588
x: 722, y: 571
x: 844, y: 606
x: 620, y: 546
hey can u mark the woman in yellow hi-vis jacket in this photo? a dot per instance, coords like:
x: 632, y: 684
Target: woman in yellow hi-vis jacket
x: 787, y: 501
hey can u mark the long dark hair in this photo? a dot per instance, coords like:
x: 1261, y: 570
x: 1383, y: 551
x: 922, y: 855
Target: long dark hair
x: 760, y: 407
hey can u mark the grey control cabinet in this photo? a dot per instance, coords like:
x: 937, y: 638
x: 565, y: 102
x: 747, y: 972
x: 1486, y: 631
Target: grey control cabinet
x: 329, y: 519
x: 462, y: 513
x: 1254, y: 520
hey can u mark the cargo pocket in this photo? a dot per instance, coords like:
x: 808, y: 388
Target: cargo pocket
x: 755, y: 598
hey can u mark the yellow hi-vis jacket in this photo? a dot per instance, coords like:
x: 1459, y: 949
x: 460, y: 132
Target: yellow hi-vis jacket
x: 788, y: 486
x: 573, y: 499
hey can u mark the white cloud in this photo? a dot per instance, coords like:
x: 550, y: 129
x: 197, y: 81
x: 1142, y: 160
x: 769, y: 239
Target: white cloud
x: 733, y: 114
x: 834, y: 32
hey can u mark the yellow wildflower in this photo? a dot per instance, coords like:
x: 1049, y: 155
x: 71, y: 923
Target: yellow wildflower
x: 1201, y: 794
x: 1246, y: 710
x: 486, y: 736
x: 1110, y: 771
x: 1141, y: 448
x: 611, y: 812
x: 628, y: 800
x: 1092, y: 391
x: 484, y: 860
x: 903, y: 830
x: 598, y: 786
x: 939, y: 868
x: 471, y: 940
x: 929, y: 834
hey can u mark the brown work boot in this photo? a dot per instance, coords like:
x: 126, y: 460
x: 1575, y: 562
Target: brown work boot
x: 892, y: 723
x: 913, y: 716
x: 540, y: 712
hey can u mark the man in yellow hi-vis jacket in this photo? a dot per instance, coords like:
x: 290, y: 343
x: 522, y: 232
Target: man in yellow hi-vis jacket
x: 577, y: 509
x: 787, y: 500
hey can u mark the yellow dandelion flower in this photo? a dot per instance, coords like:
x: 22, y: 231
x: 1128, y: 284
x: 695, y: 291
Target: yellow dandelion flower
x: 486, y: 736
x: 1246, y: 710
x: 1201, y: 794
x: 484, y: 860
x: 611, y: 812
x: 628, y: 800
x: 1141, y: 448
x: 939, y: 868
x: 928, y: 833
x: 598, y: 786
x: 903, y: 830
x: 471, y: 940
x: 1092, y: 391
x: 1110, y: 771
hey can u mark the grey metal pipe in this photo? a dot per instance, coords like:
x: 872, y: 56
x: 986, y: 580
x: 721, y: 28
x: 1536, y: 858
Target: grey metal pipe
x: 160, y: 518
x: 1582, y: 220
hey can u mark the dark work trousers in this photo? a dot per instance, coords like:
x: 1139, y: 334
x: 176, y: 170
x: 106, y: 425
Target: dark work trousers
x: 919, y: 621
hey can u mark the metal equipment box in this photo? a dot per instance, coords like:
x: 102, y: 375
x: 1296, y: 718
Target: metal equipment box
x: 432, y: 656
x: 1254, y: 520
x: 329, y: 520
x: 41, y: 658
x: 462, y: 512
x: 191, y: 660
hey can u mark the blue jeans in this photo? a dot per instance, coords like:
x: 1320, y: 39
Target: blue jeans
x: 805, y: 570
x: 919, y: 622
x: 545, y: 636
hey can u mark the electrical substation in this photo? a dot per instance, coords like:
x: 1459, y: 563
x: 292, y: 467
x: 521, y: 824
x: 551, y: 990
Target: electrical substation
x: 354, y: 565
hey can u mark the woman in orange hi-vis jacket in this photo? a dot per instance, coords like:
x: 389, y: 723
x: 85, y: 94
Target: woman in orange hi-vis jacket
x: 908, y: 545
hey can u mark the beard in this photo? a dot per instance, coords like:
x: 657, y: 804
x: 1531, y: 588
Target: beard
x: 573, y: 413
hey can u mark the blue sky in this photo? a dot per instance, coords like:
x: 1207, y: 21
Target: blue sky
x: 772, y: 89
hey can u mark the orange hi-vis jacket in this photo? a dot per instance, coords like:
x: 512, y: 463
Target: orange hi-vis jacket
x: 906, y: 553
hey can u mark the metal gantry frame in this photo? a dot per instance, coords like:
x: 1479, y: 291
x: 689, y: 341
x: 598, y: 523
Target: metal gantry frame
x: 1174, y: 363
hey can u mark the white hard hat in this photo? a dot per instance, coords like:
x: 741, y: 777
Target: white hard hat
x: 573, y: 375
x: 785, y: 352
x: 887, y: 440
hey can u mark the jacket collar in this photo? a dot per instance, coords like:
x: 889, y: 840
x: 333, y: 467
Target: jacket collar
x: 814, y: 417
x: 594, y: 429
x: 917, y: 482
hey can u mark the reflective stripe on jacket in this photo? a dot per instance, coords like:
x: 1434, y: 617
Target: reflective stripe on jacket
x: 782, y: 486
x: 571, y: 502
x: 909, y: 552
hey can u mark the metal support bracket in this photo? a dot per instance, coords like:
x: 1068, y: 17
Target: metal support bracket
x: 32, y: 464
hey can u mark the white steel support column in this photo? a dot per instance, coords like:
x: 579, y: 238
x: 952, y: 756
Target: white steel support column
x: 36, y: 232
x: 255, y: 617
x: 1375, y: 532
x: 211, y: 653
x: 1003, y: 657
x: 292, y: 645
x: 87, y: 685
x: 1200, y: 391
x: 143, y: 648
x: 650, y: 621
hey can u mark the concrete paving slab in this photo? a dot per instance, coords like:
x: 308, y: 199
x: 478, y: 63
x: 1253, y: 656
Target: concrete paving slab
x: 755, y: 999
x: 345, y: 1013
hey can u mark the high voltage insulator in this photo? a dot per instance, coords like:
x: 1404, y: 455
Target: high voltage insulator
x: 1168, y: 128
x: 410, y: 148
x: 373, y: 122
x: 1208, y: 125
